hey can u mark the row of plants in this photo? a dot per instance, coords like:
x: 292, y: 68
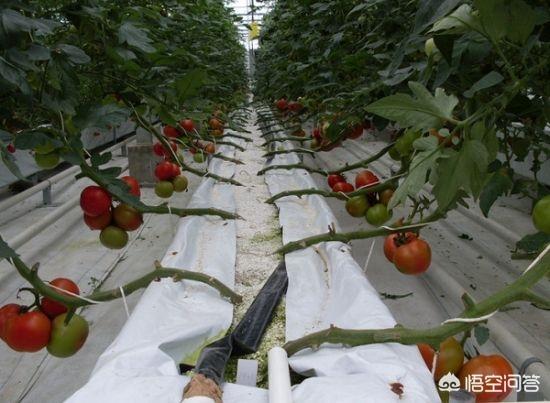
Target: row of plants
x: 457, y: 89
x: 174, y: 68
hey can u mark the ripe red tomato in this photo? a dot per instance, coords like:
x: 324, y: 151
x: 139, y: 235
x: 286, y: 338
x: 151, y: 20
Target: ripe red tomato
x: 394, y: 241
x: 449, y: 359
x: 53, y: 308
x: 176, y: 171
x: 413, y: 258
x: 99, y: 222
x: 282, y: 104
x: 355, y: 132
x: 158, y: 149
x: 316, y: 134
x: 134, y: 185
x: 6, y: 312
x: 170, y: 131
x: 164, y: 171
x: 343, y: 187
x: 11, y: 148
x: 95, y: 201
x: 127, y: 217
x: 28, y: 332
x: 334, y: 179
x: 188, y: 125
x: 486, y: 365
x: 366, y: 178
x: 295, y: 106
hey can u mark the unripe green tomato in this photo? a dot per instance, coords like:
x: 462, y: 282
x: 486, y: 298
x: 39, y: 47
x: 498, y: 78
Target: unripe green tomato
x: 180, y: 183
x: 67, y: 339
x: 431, y: 49
x: 394, y: 154
x: 47, y: 161
x: 46, y: 148
x: 113, y: 237
x: 378, y: 214
x: 541, y: 215
x: 357, y: 206
x: 164, y: 189
x: 404, y: 144
x: 199, y: 157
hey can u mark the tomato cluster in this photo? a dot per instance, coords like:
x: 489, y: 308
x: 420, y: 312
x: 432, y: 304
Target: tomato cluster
x: 371, y: 206
x: 113, y: 221
x: 30, y: 329
x: 170, y: 179
x: 450, y: 359
x: 320, y: 138
x: 409, y: 254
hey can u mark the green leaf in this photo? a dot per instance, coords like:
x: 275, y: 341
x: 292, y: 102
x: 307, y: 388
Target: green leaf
x: 499, y: 184
x: 189, y: 85
x: 136, y: 37
x: 424, y: 161
x: 111, y: 172
x: 30, y: 140
x: 533, y: 243
x: 426, y: 111
x: 6, y: 252
x: 487, y: 81
x: 481, y: 333
x: 445, y: 44
x: 100, y: 159
x: 465, y: 168
x: 74, y: 54
x: 100, y: 116
x: 459, y: 21
x: 514, y: 19
x: 430, y: 11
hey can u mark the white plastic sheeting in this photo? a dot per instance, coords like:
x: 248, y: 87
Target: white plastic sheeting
x: 326, y: 286
x: 173, y: 321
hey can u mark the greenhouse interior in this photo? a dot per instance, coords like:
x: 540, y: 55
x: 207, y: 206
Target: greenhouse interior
x: 278, y: 201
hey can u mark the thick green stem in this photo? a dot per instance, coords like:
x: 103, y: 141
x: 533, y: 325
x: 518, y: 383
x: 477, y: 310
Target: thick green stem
x: 389, y: 184
x: 364, y: 163
x: 516, y: 291
x: 346, y: 237
x: 31, y: 275
x: 289, y: 138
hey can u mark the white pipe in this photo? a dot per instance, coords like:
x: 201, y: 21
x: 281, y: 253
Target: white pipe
x: 279, y: 376
x: 45, y: 222
x: 18, y: 198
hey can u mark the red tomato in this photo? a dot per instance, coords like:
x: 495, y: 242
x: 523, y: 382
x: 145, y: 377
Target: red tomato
x: 158, y: 149
x: 393, y: 241
x: 282, y: 104
x: 6, y: 312
x: 99, y: 222
x: 95, y: 201
x: 413, y: 258
x: 28, y: 332
x: 53, y: 308
x: 176, y: 171
x: 188, y: 125
x: 449, y: 358
x: 343, y: 187
x: 170, y: 131
x: 164, y: 171
x: 316, y: 134
x: 366, y: 178
x: 334, y: 179
x: 295, y: 106
x: 134, y: 185
x: 355, y: 132
x: 486, y: 365
x: 11, y: 148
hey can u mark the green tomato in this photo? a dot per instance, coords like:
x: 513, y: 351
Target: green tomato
x: 199, y: 157
x: 431, y: 49
x: 67, y: 339
x: 357, y: 206
x: 378, y: 214
x: 180, y: 183
x: 44, y: 148
x: 47, y: 161
x: 404, y: 145
x: 113, y: 237
x: 164, y: 189
x: 541, y: 215
x: 394, y: 154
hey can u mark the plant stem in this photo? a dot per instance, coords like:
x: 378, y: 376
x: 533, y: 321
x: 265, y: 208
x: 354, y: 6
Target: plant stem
x: 292, y: 166
x: 289, y: 138
x: 363, y: 163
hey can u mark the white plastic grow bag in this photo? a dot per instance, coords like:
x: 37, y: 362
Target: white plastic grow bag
x: 327, y: 287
